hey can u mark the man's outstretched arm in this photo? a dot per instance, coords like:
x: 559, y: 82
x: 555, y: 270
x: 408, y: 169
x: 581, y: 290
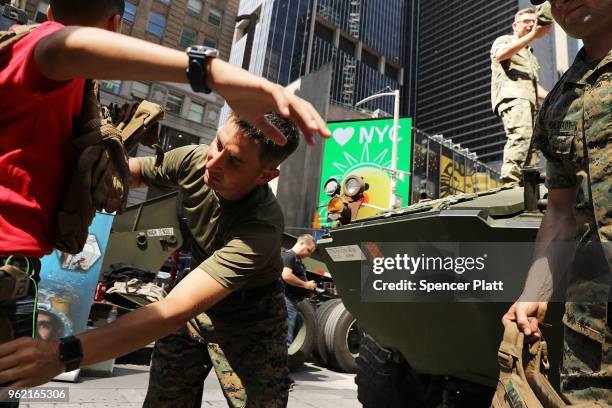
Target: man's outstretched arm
x: 28, y: 362
x: 85, y: 52
x: 550, y: 261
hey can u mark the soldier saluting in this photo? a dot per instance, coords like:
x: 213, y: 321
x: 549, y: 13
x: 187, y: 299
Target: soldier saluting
x: 515, y: 91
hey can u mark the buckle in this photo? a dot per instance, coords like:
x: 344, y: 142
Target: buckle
x: 505, y: 360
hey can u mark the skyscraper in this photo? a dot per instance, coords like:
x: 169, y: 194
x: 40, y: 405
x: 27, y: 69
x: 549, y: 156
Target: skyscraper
x: 454, y: 74
x: 363, y: 40
x: 453, y: 88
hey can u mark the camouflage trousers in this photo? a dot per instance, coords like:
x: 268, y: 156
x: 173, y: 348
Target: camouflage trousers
x: 586, y: 371
x: 519, y: 152
x: 243, y: 340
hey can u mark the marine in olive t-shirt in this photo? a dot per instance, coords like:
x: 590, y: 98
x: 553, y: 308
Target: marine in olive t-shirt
x: 236, y: 242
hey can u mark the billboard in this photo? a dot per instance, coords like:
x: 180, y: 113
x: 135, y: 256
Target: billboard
x: 363, y: 148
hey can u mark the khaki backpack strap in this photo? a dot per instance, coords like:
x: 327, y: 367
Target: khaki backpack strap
x: 536, y: 371
x: 146, y: 116
x: 135, y: 121
x: 139, y: 123
x: 511, y: 347
x: 10, y: 37
x: 513, y: 390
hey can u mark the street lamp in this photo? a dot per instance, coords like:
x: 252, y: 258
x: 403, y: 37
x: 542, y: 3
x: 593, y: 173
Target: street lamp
x: 393, y: 170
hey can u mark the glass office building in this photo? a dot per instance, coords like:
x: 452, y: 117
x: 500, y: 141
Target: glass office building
x: 454, y: 72
x: 362, y: 39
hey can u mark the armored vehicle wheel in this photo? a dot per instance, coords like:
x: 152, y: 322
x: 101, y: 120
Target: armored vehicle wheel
x: 384, y: 379
x: 342, y: 338
x: 322, y: 313
x: 304, y: 336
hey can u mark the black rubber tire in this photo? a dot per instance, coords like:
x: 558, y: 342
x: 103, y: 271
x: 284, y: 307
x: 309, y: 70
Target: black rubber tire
x: 323, y: 312
x: 342, y: 339
x: 305, y: 335
x: 384, y: 380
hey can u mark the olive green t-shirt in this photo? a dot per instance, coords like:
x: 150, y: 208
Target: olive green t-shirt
x: 236, y: 242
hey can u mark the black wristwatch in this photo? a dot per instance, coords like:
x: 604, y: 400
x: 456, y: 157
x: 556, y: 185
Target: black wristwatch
x: 70, y: 352
x: 196, y: 70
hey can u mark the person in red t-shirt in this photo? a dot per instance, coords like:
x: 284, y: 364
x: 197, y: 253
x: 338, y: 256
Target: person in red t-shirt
x: 41, y: 83
x: 36, y: 156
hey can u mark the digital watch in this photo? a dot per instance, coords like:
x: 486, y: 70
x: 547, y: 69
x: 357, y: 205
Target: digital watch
x: 70, y: 352
x: 196, y: 69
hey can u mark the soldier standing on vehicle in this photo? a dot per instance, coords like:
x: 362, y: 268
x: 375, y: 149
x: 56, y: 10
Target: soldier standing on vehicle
x: 515, y: 92
x: 574, y: 132
x: 297, y: 285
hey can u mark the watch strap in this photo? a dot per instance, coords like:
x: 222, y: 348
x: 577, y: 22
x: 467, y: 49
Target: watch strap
x: 70, y: 352
x: 197, y: 70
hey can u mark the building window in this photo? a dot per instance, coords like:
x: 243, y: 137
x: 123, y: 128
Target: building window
x: 188, y: 37
x: 174, y: 103
x: 110, y: 86
x: 194, y: 7
x: 129, y: 14
x: 210, y: 42
x: 215, y: 16
x: 391, y: 71
x: 172, y: 138
x: 196, y: 112
x: 325, y: 33
x: 41, y: 12
x: 156, y: 24
x: 140, y: 90
x: 212, y: 116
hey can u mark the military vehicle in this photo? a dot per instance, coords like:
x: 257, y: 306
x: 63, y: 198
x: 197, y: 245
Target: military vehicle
x: 430, y: 354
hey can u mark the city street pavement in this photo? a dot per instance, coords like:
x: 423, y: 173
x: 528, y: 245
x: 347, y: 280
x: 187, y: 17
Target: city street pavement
x: 314, y: 387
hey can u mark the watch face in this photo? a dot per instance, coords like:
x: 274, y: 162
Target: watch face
x: 203, y: 50
x: 70, y: 349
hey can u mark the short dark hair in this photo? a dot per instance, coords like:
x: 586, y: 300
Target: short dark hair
x: 306, y: 239
x: 271, y: 153
x: 88, y: 12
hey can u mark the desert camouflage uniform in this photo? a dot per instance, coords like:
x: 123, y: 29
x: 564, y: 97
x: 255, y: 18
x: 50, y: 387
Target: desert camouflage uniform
x: 574, y: 130
x: 514, y: 99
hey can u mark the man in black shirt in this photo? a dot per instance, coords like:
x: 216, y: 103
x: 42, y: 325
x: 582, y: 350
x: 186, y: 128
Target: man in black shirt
x: 297, y: 284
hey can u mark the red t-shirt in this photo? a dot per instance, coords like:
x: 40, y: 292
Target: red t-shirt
x: 36, y: 156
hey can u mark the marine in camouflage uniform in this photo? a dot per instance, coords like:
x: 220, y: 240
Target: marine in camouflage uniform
x: 243, y: 336
x: 514, y: 100
x: 574, y: 131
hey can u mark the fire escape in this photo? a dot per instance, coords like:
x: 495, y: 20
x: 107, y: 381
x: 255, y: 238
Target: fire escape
x: 349, y: 68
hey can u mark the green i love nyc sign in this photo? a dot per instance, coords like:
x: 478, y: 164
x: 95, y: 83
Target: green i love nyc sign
x: 364, y: 148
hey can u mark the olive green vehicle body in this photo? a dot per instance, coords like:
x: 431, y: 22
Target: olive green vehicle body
x: 458, y: 340
x: 145, y: 234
